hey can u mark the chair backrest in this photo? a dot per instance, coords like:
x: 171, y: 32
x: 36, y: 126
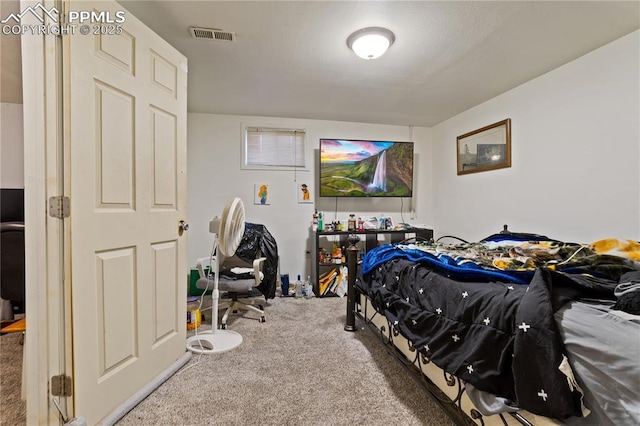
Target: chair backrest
x: 11, y: 205
x: 12, y: 262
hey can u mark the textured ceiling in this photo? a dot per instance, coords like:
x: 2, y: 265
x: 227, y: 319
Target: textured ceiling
x: 290, y: 59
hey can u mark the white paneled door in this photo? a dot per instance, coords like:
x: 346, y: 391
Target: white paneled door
x: 126, y: 121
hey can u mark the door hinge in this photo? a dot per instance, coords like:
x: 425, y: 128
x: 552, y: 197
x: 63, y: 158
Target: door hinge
x: 59, y: 206
x: 61, y: 385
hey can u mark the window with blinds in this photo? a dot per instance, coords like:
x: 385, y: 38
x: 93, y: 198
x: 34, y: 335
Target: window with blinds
x: 274, y: 148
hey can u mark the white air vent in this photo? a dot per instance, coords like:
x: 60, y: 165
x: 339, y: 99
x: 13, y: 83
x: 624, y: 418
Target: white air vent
x: 212, y: 34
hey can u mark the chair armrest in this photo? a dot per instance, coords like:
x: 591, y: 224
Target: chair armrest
x: 257, y: 269
x: 200, y: 264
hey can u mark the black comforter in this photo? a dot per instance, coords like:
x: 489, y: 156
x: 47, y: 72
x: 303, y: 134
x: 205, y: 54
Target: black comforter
x: 500, y: 337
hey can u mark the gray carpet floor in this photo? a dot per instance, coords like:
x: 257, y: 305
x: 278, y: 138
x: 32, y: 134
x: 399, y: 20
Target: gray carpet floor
x: 13, y: 411
x: 298, y: 368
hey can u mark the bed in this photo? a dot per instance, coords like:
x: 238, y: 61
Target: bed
x: 514, y: 329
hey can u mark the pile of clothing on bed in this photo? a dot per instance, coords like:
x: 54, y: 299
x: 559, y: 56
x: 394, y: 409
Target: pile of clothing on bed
x: 514, y: 257
x: 485, y: 311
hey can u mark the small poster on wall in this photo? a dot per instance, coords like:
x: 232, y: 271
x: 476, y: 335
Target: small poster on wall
x: 261, y: 194
x: 304, y: 193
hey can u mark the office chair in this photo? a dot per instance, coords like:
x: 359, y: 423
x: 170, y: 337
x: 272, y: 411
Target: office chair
x: 237, y: 278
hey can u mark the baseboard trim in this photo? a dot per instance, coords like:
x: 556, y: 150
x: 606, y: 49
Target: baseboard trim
x: 130, y: 403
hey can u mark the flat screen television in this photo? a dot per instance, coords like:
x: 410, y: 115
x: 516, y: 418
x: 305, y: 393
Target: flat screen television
x: 365, y: 168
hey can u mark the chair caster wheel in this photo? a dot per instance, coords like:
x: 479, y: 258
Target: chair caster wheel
x: 261, y: 307
x: 235, y: 311
x: 223, y: 326
x: 262, y: 319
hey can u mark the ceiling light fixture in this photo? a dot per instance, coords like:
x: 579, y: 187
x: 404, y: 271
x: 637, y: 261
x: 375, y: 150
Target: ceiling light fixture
x: 370, y: 43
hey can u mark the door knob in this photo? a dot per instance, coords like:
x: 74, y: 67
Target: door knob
x: 182, y: 226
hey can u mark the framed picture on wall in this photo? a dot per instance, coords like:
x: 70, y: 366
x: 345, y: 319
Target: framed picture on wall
x: 488, y: 148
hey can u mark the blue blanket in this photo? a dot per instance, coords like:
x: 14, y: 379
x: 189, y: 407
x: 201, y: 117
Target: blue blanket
x: 461, y: 269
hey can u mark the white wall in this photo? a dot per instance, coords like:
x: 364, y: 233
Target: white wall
x: 575, y: 171
x: 423, y: 184
x: 11, y: 146
x: 214, y: 176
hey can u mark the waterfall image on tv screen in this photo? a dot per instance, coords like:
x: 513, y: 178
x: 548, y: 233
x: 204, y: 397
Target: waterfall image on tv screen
x: 362, y: 168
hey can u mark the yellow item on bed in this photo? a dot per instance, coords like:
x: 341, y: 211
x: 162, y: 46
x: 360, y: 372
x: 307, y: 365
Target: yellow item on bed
x: 628, y: 249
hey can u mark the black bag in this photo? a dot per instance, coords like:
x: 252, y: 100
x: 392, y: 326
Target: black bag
x: 257, y: 238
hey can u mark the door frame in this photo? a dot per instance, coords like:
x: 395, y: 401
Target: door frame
x: 48, y: 337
